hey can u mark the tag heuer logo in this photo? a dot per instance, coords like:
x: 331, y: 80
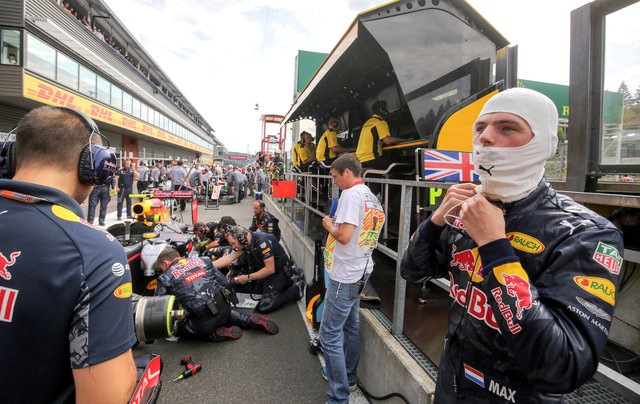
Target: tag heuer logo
x: 608, y: 257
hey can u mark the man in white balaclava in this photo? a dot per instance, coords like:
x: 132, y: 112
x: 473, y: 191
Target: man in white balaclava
x: 509, y: 171
x: 524, y: 266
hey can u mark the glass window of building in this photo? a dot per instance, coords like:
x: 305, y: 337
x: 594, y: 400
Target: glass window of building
x: 116, y: 97
x: 67, y: 71
x: 135, y: 108
x: 144, y: 112
x: 88, y: 82
x: 11, y: 46
x: 152, y: 116
x: 127, y: 100
x: 104, y: 90
x: 41, y: 58
x: 620, y: 143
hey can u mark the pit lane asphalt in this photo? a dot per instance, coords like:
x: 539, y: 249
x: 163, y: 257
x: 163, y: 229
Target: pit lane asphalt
x: 257, y: 368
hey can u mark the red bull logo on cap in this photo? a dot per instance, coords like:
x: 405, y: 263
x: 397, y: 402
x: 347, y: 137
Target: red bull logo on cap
x: 6, y: 263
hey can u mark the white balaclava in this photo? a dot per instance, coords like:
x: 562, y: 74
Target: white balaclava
x: 513, y: 172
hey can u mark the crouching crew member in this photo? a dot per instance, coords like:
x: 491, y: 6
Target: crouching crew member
x: 266, y: 262
x: 264, y: 221
x: 202, y: 290
x: 214, y: 231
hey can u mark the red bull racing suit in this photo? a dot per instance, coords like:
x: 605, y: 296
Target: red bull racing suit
x: 199, y: 287
x: 529, y: 314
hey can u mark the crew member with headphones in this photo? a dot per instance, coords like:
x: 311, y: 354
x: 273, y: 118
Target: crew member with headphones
x: 264, y: 221
x: 77, y: 290
x: 267, y: 263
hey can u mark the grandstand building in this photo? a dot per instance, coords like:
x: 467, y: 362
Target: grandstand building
x: 77, y: 53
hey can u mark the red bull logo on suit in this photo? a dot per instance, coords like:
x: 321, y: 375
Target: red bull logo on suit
x: 467, y: 261
x: 6, y: 263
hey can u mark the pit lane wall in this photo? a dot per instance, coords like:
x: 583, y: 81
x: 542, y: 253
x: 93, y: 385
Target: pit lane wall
x: 385, y: 365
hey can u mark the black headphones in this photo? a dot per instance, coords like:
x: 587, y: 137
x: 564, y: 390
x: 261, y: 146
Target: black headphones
x: 96, y: 166
x: 239, y: 234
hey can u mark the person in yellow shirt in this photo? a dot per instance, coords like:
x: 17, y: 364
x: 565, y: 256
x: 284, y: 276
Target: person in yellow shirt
x: 304, y: 152
x: 328, y: 148
x: 373, y: 135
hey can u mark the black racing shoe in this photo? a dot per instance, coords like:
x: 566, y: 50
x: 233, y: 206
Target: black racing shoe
x: 259, y: 321
x: 226, y: 333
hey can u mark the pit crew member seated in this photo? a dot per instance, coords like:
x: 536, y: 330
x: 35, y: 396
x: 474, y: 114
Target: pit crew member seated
x: 202, y: 290
x: 267, y: 263
x: 264, y: 221
x: 328, y: 148
x: 532, y: 273
x: 373, y: 135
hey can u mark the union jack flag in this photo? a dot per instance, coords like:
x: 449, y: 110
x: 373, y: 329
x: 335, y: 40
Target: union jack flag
x: 444, y: 165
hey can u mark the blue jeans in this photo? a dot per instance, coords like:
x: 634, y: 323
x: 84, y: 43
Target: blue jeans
x: 100, y: 194
x: 340, y: 338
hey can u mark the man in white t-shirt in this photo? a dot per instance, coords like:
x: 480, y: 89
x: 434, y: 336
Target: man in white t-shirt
x: 353, y: 235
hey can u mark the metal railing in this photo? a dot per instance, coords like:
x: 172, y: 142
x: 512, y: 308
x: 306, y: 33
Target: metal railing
x: 314, y: 193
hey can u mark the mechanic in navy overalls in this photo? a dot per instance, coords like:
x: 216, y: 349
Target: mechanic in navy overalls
x: 125, y: 177
x: 268, y: 263
x: 202, y: 290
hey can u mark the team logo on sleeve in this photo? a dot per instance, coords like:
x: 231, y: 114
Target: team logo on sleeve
x: 117, y: 269
x: 594, y: 309
x: 8, y: 298
x: 608, y: 257
x: 6, y: 263
x: 601, y: 288
x: 519, y: 288
x: 123, y: 291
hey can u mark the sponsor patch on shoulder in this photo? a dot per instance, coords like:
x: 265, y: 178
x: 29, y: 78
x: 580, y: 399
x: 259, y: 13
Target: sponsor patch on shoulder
x: 609, y: 257
x: 117, y: 269
x: 594, y: 309
x: 8, y: 299
x: 601, y: 288
x: 123, y: 291
x: 263, y: 245
x: 152, y: 285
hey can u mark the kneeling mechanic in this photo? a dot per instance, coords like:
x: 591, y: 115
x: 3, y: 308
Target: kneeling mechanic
x: 202, y: 290
x: 268, y: 263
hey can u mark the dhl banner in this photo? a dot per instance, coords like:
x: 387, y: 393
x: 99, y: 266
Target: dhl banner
x: 47, y: 93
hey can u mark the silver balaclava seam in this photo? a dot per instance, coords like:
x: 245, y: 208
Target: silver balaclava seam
x: 509, y: 174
